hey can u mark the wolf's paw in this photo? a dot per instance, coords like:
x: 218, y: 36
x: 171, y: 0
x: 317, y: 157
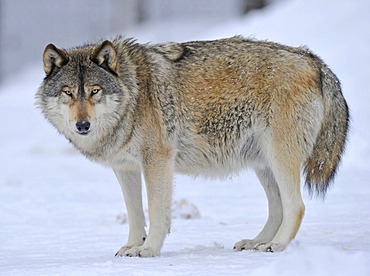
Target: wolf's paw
x: 246, y: 245
x: 270, y: 247
x: 123, y: 250
x: 140, y: 251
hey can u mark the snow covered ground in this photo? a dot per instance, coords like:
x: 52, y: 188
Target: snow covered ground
x: 63, y: 215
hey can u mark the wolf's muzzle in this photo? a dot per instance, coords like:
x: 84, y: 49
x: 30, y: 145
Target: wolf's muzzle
x: 83, y: 127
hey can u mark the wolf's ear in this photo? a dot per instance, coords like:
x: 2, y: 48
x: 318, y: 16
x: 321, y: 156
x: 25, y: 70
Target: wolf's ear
x: 53, y: 57
x: 106, y: 56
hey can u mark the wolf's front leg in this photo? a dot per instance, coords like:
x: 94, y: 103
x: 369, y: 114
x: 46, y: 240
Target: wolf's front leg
x: 158, y: 174
x: 130, y: 182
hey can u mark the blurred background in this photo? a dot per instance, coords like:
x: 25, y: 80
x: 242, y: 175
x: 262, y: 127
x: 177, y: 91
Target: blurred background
x: 27, y: 26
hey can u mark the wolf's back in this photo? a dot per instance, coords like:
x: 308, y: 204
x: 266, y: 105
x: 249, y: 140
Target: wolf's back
x: 321, y: 165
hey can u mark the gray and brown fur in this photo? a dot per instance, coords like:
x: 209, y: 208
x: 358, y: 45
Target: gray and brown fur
x: 209, y: 108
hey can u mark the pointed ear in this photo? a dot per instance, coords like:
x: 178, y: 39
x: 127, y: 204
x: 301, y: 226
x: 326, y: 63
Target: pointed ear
x: 53, y: 57
x: 106, y: 56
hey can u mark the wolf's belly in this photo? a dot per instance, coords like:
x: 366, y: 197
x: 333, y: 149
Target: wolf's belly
x: 204, y: 159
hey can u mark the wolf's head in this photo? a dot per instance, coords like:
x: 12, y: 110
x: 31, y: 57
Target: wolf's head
x: 82, y: 92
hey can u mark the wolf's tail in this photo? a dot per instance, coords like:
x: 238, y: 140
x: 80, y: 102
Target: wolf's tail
x: 321, y: 165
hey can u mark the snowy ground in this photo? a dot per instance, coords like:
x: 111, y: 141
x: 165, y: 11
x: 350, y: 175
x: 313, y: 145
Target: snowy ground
x: 62, y: 215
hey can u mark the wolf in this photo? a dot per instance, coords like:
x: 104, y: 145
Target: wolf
x: 201, y: 108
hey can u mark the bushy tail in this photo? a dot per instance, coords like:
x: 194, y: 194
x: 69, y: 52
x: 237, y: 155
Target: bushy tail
x: 321, y: 165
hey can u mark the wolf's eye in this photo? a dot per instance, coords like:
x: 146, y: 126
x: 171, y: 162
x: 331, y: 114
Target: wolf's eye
x: 67, y: 92
x: 95, y: 91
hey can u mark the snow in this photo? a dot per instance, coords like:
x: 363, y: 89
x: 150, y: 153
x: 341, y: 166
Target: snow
x: 60, y: 214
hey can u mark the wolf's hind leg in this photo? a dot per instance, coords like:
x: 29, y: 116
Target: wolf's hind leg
x: 131, y: 188
x: 275, y: 212
x: 286, y: 170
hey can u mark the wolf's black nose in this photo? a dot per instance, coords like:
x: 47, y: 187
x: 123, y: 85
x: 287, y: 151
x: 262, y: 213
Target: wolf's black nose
x: 83, y: 126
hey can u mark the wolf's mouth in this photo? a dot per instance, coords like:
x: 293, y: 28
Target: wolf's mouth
x: 83, y: 133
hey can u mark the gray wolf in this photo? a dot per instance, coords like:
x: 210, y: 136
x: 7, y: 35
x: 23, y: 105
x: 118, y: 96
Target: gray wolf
x: 202, y: 108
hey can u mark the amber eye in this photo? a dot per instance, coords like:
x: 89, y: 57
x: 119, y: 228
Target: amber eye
x: 67, y: 92
x: 95, y: 91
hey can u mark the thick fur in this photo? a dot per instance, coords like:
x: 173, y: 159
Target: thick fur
x: 209, y: 108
